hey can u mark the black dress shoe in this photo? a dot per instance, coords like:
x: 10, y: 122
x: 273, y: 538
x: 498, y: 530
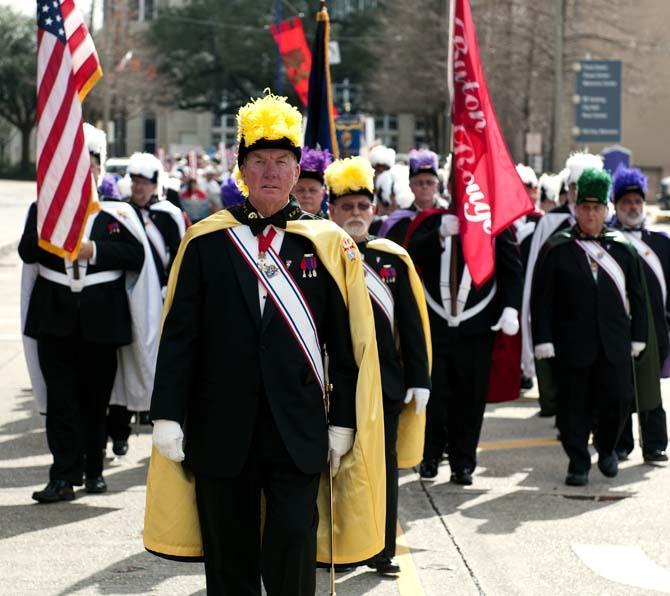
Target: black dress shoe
x: 526, y: 383
x: 428, y: 468
x: 120, y: 446
x: 463, y: 477
x: 56, y: 490
x: 654, y: 456
x: 95, y: 485
x: 608, y: 465
x: 576, y: 479
x: 621, y: 454
x: 385, y: 566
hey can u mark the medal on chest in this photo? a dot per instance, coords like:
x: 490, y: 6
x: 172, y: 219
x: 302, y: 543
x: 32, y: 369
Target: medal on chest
x: 269, y: 270
x: 308, y: 265
x: 388, y: 274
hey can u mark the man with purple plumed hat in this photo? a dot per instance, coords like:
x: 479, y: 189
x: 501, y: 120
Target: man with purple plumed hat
x: 629, y: 188
x: 310, y: 189
x: 424, y: 183
x: 231, y: 195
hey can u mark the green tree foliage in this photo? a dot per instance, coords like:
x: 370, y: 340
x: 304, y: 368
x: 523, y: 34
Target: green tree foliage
x: 219, y: 54
x: 18, y: 104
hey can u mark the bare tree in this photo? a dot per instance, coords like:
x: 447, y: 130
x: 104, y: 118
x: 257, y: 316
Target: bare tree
x: 517, y: 42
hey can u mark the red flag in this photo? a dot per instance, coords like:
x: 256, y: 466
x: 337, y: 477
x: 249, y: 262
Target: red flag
x: 488, y: 192
x: 290, y: 38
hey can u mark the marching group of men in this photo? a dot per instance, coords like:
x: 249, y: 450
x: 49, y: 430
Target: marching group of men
x: 294, y: 344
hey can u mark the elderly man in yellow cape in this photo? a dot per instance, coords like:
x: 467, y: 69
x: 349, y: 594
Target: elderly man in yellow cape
x: 255, y: 295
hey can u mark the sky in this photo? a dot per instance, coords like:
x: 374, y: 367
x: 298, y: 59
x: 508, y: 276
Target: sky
x: 28, y: 6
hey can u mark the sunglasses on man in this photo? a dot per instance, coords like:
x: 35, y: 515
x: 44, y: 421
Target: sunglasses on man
x: 362, y: 206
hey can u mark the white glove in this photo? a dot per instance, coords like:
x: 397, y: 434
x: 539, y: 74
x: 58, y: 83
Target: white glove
x: 636, y: 348
x: 420, y: 396
x: 168, y: 438
x: 543, y: 351
x: 449, y: 226
x: 508, y: 321
x: 340, y: 442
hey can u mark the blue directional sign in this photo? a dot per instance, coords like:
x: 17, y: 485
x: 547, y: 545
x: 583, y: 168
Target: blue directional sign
x: 598, y: 101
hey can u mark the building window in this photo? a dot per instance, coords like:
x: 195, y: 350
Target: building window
x: 420, y: 132
x: 386, y: 129
x: 150, y: 133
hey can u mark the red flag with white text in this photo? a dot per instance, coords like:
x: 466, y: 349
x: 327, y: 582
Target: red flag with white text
x: 488, y: 192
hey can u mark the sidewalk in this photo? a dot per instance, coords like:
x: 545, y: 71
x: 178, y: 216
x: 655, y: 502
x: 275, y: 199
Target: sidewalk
x: 15, y: 198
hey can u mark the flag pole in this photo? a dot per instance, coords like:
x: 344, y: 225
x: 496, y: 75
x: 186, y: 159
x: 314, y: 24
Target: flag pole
x: 453, y: 270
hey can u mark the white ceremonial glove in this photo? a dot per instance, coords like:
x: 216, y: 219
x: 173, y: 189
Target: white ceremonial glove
x: 508, y: 321
x: 340, y: 442
x: 449, y: 226
x: 420, y: 396
x: 168, y: 438
x: 636, y: 348
x: 543, y: 351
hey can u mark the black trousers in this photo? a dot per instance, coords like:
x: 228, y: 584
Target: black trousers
x: 79, y: 376
x: 602, y: 387
x: 654, y: 432
x: 229, y: 511
x: 392, y: 410
x: 118, y: 423
x: 460, y: 380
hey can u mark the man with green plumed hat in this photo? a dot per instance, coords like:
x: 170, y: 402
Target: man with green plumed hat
x: 588, y: 311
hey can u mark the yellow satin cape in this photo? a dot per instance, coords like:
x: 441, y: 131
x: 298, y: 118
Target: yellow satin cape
x: 171, y: 524
x: 410, y: 427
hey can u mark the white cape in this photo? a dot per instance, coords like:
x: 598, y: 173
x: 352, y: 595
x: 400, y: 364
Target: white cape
x: 137, y: 361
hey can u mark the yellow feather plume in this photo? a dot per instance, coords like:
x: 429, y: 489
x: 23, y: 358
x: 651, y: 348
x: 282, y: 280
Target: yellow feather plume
x: 346, y: 176
x: 269, y: 117
x: 241, y: 184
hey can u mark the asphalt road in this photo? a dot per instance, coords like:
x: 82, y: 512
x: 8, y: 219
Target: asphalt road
x: 517, y: 531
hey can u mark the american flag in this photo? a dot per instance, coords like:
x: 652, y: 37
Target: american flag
x: 67, y: 69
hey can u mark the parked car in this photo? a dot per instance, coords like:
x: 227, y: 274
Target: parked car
x: 117, y: 166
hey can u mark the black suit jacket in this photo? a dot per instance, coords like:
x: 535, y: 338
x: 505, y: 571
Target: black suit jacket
x: 100, y: 311
x: 398, y: 232
x: 403, y: 359
x: 218, y: 358
x: 170, y: 232
x: 583, y: 317
x: 426, y: 250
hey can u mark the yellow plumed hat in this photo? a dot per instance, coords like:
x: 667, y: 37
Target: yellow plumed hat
x: 353, y: 175
x: 239, y: 181
x: 268, y: 122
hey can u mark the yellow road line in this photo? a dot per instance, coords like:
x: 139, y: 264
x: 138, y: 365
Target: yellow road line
x: 517, y: 443
x: 408, y: 580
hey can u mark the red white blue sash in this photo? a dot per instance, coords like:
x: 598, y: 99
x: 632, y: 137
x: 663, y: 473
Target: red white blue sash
x: 609, y: 265
x: 380, y: 293
x: 650, y: 258
x: 286, y: 295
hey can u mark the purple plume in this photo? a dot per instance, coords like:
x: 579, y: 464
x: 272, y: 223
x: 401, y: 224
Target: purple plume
x: 109, y: 188
x: 422, y: 161
x: 628, y: 180
x: 315, y: 160
x: 230, y: 193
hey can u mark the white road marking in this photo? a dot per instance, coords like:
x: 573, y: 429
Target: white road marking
x: 627, y: 565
